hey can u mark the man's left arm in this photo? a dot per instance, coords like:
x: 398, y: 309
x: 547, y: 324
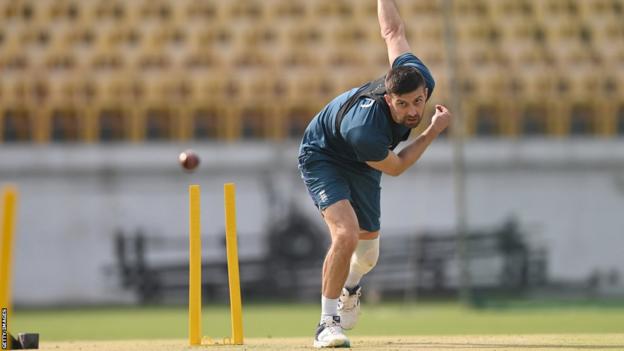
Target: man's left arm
x: 395, y: 164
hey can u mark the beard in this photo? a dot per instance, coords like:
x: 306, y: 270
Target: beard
x: 411, y: 121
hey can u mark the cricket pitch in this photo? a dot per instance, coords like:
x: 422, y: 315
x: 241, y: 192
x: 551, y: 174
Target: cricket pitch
x: 455, y: 343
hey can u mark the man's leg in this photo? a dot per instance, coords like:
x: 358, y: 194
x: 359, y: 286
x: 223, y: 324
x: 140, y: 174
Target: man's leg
x: 344, y: 229
x: 363, y: 260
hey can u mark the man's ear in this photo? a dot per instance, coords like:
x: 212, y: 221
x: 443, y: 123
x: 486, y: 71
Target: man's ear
x: 388, y: 99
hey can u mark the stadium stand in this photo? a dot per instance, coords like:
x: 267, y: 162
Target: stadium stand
x: 145, y: 70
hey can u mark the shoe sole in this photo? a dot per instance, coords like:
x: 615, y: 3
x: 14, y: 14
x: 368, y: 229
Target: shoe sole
x: 333, y: 344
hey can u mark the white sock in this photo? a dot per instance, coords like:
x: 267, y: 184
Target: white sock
x: 329, y: 307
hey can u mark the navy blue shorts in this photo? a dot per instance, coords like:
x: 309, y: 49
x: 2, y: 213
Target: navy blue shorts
x: 329, y: 183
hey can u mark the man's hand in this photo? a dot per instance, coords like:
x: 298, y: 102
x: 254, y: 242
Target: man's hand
x: 440, y: 120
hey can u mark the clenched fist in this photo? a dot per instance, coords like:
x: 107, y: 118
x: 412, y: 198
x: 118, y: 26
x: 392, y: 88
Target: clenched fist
x: 441, y: 119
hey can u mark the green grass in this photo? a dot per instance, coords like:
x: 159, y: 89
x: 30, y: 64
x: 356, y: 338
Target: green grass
x: 298, y: 320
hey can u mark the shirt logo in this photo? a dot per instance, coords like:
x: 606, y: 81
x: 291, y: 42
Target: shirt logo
x: 323, y: 196
x: 366, y: 103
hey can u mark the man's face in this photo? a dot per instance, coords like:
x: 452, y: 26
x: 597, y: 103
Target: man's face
x: 407, y: 109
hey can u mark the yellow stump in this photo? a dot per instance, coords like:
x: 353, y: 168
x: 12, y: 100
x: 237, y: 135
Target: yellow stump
x: 232, y: 261
x: 9, y: 200
x: 194, y: 266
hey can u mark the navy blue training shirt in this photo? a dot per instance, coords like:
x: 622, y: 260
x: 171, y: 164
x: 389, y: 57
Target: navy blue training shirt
x: 367, y: 131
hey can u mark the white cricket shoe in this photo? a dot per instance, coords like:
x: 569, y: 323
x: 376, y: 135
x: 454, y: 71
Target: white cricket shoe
x: 329, y: 333
x: 349, y: 307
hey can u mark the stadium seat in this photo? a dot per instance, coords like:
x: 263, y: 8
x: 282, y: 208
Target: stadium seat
x: 533, y: 106
x: 33, y: 11
x: 206, y: 104
x: 607, y: 29
x: 206, y: 123
x: 204, y: 11
x: 429, y: 32
x: 16, y: 125
x: 15, y: 116
x: 492, y: 101
x: 110, y: 107
x: 303, y: 57
x: 546, y: 10
x: 158, y: 123
x: 471, y: 9
x: 286, y: 12
x: 63, y: 109
x: 422, y: 9
x: 532, y: 118
x: 603, y: 9
x: 12, y: 55
x: 340, y: 9
x: 58, y: 54
x: 248, y: 10
x: 64, y: 124
x: 155, y: 111
x: 301, y: 94
x: 114, y: 11
x: 511, y: 9
x: 532, y: 109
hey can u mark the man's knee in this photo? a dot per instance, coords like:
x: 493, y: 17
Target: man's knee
x: 365, y: 256
x: 343, y: 225
x: 345, y: 238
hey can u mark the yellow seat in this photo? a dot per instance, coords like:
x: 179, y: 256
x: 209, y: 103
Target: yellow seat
x: 471, y: 9
x: 13, y: 57
x: 16, y: 115
x: 584, y: 107
x: 339, y: 9
x: 108, y: 104
x: 532, y: 102
x: 423, y: 9
x: 511, y: 9
x: 301, y: 93
x: 554, y: 10
x: 207, y: 12
x: 62, y: 114
x: 600, y: 9
x: 15, y: 124
x: 484, y: 93
x: 33, y: 11
x: 155, y: 116
x: 114, y: 11
x: 207, y: 104
x: 249, y: 10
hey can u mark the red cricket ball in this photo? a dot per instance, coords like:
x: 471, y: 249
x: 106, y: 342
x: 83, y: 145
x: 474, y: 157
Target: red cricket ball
x: 188, y: 160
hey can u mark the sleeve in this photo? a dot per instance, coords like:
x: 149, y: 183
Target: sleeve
x: 408, y: 59
x: 368, y: 144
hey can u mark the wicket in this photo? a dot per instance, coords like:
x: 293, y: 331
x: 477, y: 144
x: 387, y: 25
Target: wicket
x: 9, y: 199
x: 195, y: 276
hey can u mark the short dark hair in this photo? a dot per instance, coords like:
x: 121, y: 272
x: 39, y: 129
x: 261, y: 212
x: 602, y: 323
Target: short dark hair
x: 403, y: 79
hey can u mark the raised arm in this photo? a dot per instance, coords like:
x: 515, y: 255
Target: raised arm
x: 392, y: 29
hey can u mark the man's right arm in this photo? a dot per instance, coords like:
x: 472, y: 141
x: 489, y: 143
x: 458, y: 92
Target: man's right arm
x: 392, y: 29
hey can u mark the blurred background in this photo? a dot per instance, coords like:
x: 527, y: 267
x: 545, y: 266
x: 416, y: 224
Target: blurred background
x: 97, y: 98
